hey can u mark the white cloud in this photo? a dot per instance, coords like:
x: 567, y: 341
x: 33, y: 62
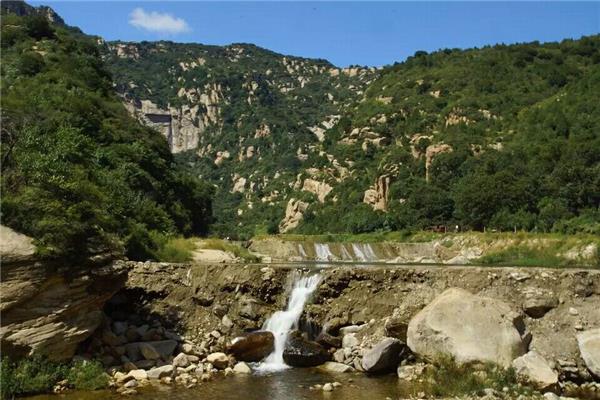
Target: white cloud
x: 157, y: 22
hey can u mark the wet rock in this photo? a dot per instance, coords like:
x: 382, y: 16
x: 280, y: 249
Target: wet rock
x: 589, y: 347
x: 300, y: 352
x: 242, y: 368
x: 535, y: 370
x: 138, y: 374
x: 161, y: 372
x: 336, y: 367
x: 253, y: 346
x: 384, y: 356
x: 181, y: 360
x: 468, y: 328
x: 218, y: 360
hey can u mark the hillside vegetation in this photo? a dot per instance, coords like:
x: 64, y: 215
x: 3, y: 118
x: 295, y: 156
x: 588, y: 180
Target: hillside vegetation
x: 78, y: 173
x: 502, y: 138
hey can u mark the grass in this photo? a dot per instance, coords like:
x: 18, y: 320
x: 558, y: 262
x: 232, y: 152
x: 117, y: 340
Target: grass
x: 175, y: 249
x: 236, y: 250
x: 36, y: 374
x: 446, y: 379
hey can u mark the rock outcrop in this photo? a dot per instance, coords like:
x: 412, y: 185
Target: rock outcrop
x: 320, y: 189
x: 377, y: 195
x: 589, y: 346
x: 49, y: 308
x: 294, y: 212
x: 467, y: 328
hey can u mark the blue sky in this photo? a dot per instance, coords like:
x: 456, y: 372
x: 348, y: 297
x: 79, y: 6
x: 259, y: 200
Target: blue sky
x: 345, y: 33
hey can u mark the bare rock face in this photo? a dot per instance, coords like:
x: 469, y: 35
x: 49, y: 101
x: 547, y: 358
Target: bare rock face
x: 321, y: 189
x: 534, y: 369
x: 589, y: 346
x: 294, y: 213
x: 468, y: 328
x: 431, y: 152
x: 49, y: 309
x: 377, y: 195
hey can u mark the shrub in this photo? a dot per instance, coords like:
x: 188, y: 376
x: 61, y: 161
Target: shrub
x: 174, y: 249
x: 87, y: 375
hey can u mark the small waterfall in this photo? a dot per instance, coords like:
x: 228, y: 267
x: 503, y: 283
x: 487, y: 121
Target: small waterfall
x: 302, y: 252
x: 323, y: 252
x: 281, y: 322
x: 345, y: 254
x: 364, y: 252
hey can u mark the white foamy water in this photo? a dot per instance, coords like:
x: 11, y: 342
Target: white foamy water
x: 302, y: 252
x: 281, y: 322
x: 364, y: 252
x: 345, y: 254
x: 323, y: 252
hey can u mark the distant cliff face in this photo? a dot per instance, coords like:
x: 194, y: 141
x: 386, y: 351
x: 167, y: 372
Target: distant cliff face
x: 408, y: 146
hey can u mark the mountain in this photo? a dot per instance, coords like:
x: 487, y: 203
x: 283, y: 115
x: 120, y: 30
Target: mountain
x: 503, y: 137
x: 79, y: 174
x: 248, y: 120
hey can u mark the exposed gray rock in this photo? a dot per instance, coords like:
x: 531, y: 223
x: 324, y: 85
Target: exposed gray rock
x: 219, y: 360
x: 589, y: 346
x: 468, y: 328
x: 161, y: 372
x: 152, y: 350
x: 384, y: 356
x: 336, y: 367
x: 537, y: 307
x: 534, y: 369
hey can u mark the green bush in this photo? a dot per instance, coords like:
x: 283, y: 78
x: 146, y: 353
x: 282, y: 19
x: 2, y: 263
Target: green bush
x: 87, y: 375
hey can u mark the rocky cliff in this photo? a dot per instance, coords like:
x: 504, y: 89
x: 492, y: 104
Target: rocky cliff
x: 48, y: 308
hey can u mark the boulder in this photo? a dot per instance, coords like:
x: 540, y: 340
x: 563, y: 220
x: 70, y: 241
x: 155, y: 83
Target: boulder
x: 327, y: 340
x: 336, y: 367
x: 396, y: 327
x: 242, y: 368
x: 161, y: 372
x: 162, y: 348
x: 138, y: 374
x: 181, y: 360
x: 468, y: 328
x: 384, y: 356
x: 350, y: 340
x: 589, y: 347
x: 410, y: 372
x: 537, y: 307
x: 300, y: 352
x: 534, y: 369
x: 218, y: 360
x: 253, y: 346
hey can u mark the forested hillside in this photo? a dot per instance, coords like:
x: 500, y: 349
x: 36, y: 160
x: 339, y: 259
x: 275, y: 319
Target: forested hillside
x: 503, y: 137
x: 78, y: 173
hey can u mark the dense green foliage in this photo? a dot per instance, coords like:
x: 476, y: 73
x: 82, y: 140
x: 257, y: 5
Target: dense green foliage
x: 523, y: 122
x: 78, y: 173
x: 38, y: 375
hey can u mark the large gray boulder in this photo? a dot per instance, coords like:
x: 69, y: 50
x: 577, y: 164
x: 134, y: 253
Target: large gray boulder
x: 384, y: 356
x: 534, y: 369
x: 468, y: 328
x: 252, y: 346
x: 589, y: 347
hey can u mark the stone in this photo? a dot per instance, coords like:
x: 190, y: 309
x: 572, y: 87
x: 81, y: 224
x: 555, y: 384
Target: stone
x: 384, y: 356
x: 534, y: 369
x: 149, y: 352
x: 326, y: 340
x: 294, y: 213
x: 350, y: 329
x: 138, y: 374
x: 160, y: 372
x: 410, y: 372
x: 336, y: 367
x: 121, y: 378
x: 537, y: 307
x: 468, y: 328
x: 253, y: 346
x: 119, y: 327
x: 110, y: 339
x: 130, y: 384
x: 396, y: 328
x: 350, y: 340
x: 219, y: 360
x: 14, y: 246
x: 181, y: 360
x: 589, y: 347
x: 164, y: 349
x: 242, y: 368
x: 328, y: 387
x: 300, y: 352
x: 339, y: 356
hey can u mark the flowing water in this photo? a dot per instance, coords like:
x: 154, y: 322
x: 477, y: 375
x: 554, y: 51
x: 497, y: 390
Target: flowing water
x: 323, y: 252
x: 281, y: 322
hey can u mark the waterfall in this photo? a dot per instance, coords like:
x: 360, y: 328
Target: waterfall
x: 364, y: 252
x: 281, y: 322
x: 302, y: 252
x: 345, y: 254
x: 323, y: 252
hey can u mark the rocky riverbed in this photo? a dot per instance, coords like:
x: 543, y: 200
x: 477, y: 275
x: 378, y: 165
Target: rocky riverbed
x: 186, y: 324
